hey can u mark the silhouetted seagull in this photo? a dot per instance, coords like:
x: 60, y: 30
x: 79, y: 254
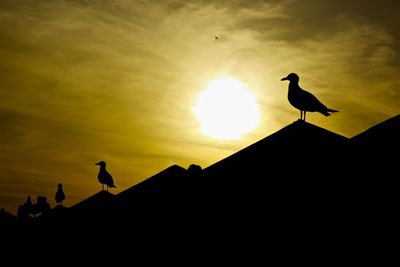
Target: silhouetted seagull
x: 60, y: 196
x: 216, y: 37
x: 104, y: 177
x: 303, y: 100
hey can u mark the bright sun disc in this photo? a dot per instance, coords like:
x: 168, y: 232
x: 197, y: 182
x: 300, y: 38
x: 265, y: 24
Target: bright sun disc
x: 226, y: 109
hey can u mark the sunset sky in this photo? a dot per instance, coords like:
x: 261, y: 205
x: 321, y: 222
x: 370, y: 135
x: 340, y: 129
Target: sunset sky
x: 85, y: 81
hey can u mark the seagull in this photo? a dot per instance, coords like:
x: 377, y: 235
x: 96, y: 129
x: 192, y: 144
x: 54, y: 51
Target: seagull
x: 104, y: 177
x: 60, y: 196
x: 303, y: 100
x: 216, y: 37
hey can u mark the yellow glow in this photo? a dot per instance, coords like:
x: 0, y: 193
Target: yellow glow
x: 226, y: 109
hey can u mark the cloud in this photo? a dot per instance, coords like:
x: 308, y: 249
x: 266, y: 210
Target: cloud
x: 341, y: 55
x: 83, y: 81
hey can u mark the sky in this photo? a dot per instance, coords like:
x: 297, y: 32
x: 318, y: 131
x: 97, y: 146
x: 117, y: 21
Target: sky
x: 85, y: 81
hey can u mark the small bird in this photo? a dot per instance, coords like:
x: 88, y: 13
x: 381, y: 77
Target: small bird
x: 104, y: 177
x: 216, y: 37
x: 60, y: 196
x: 303, y: 100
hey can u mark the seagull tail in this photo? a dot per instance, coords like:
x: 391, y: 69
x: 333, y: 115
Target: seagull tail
x: 329, y: 111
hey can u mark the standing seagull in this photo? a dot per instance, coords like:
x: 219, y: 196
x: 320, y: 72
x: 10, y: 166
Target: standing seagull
x: 303, y: 100
x: 104, y: 177
x: 60, y: 196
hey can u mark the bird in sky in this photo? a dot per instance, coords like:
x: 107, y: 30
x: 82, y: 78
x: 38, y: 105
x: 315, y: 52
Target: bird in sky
x: 216, y: 37
x: 303, y: 100
x: 104, y: 176
x: 60, y: 196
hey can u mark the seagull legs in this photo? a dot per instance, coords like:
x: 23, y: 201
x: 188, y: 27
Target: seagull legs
x: 303, y: 115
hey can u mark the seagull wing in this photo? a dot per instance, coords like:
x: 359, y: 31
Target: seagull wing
x: 108, y: 180
x: 311, y: 103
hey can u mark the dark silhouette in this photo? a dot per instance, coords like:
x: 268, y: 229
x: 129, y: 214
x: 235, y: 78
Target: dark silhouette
x: 6, y: 218
x: 93, y: 206
x: 25, y: 209
x: 60, y: 196
x: 153, y: 200
x: 28, y: 204
x: 216, y: 37
x: 41, y: 207
x: 303, y: 100
x: 104, y: 176
x: 301, y: 184
x: 22, y: 212
x: 195, y: 169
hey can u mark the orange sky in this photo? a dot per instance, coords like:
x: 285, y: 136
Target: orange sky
x: 84, y: 81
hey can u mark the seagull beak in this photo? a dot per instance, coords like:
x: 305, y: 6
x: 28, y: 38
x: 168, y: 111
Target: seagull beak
x: 284, y: 79
x: 98, y: 163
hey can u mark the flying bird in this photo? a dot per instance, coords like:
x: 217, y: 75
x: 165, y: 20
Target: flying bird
x: 216, y: 37
x: 60, y: 196
x: 104, y: 176
x: 303, y: 100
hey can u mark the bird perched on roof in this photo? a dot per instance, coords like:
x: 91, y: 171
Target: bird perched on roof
x: 104, y: 176
x: 303, y: 100
x: 60, y: 196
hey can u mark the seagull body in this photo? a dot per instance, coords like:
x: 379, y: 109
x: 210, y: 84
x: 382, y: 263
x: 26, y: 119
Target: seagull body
x: 104, y: 176
x: 303, y: 100
x: 60, y: 196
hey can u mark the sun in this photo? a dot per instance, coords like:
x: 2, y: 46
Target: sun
x: 226, y: 109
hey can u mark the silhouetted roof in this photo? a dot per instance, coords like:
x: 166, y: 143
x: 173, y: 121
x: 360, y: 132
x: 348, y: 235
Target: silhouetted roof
x: 386, y: 132
x: 375, y: 151
x: 164, y: 184
x: 166, y: 178
x: 293, y: 145
x: 93, y: 203
x: 299, y: 184
x: 6, y: 216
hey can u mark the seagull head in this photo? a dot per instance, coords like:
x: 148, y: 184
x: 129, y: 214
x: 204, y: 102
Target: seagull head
x: 292, y: 77
x: 101, y: 163
x: 60, y: 185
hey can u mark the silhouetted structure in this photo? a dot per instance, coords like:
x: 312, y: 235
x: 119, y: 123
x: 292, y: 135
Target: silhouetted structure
x: 22, y: 212
x: 60, y: 196
x: 41, y: 207
x: 153, y: 199
x: 303, y: 100
x: 104, y: 176
x: 25, y: 210
x: 28, y: 203
x: 194, y: 169
x: 301, y: 185
x: 6, y: 219
x: 91, y: 209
